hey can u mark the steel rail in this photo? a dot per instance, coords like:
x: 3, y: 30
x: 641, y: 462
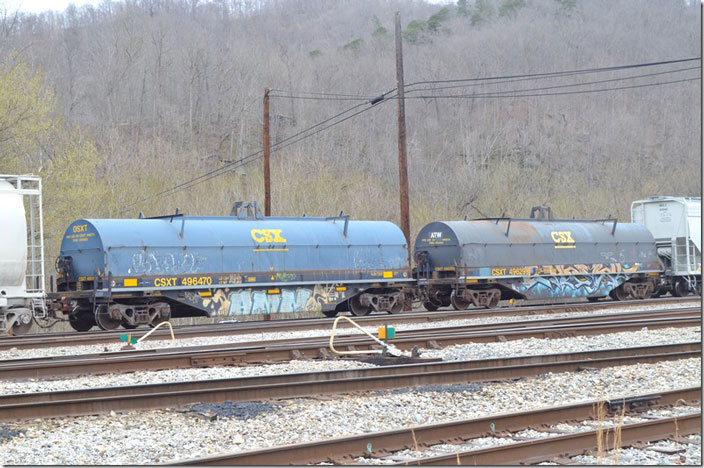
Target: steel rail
x: 426, y: 332
x: 536, y: 451
x: 139, y: 397
x: 347, y: 449
x: 250, y: 353
x: 46, y: 340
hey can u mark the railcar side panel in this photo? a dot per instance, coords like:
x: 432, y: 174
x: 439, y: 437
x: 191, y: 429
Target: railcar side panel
x: 532, y: 259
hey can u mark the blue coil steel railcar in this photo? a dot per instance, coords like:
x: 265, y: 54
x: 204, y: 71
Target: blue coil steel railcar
x: 129, y: 272
x: 483, y: 261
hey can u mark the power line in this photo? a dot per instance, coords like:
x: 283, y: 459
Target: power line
x: 320, y: 94
x: 255, y: 156
x: 586, y: 91
x: 335, y: 123
x: 558, y: 73
x: 476, y: 81
x: 552, y: 76
x: 320, y: 98
x: 321, y: 126
x: 544, y: 88
x: 225, y: 168
x: 259, y: 153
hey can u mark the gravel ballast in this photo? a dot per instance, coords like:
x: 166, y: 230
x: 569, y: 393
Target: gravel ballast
x: 147, y: 437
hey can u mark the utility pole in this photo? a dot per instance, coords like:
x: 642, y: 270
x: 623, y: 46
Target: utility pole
x: 267, y: 156
x: 402, y: 164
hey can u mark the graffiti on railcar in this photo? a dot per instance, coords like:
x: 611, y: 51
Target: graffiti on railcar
x: 583, y: 269
x: 152, y: 263
x: 251, y: 302
x: 236, y: 301
x: 563, y: 270
x: 570, y: 286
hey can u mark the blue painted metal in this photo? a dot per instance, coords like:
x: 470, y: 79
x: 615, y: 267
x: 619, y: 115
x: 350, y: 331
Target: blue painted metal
x: 485, y: 243
x: 538, y: 259
x: 178, y: 245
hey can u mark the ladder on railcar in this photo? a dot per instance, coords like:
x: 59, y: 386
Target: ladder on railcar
x: 30, y: 187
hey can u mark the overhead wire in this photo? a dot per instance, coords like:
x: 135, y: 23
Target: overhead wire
x: 586, y: 91
x: 315, y: 93
x: 558, y: 73
x: 476, y: 81
x: 321, y: 126
x: 259, y: 153
x: 516, y: 92
x: 275, y: 147
x: 320, y: 98
x: 556, y: 76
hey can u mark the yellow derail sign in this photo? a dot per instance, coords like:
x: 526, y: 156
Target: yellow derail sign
x: 563, y: 239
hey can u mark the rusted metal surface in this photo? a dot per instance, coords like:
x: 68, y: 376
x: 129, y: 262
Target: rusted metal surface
x: 315, y: 348
x: 94, y: 401
x: 73, y: 338
x: 572, y: 444
x: 345, y: 450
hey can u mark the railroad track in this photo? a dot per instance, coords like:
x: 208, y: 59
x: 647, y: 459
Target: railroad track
x: 571, y: 444
x: 346, y: 450
x: 318, y: 347
x: 45, y: 340
x: 169, y: 395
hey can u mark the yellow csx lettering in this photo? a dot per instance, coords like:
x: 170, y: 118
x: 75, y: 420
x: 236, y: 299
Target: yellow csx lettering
x: 268, y: 235
x: 80, y: 228
x: 164, y: 282
x: 562, y: 237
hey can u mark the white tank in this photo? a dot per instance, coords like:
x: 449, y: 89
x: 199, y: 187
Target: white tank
x: 13, y: 242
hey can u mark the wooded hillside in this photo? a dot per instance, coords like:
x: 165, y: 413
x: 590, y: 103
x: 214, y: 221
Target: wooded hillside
x: 115, y: 105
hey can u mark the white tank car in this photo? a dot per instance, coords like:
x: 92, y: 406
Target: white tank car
x: 15, y: 301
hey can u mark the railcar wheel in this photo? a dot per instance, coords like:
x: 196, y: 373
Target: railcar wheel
x: 494, y: 302
x: 330, y: 313
x: 646, y: 295
x: 80, y: 323
x: 680, y: 289
x: 104, y: 320
x: 397, y: 308
x: 20, y: 327
x: 458, y: 303
x: 433, y: 303
x: 358, y: 309
x: 618, y: 294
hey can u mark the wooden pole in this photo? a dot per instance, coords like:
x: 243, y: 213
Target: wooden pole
x: 267, y: 156
x: 402, y: 162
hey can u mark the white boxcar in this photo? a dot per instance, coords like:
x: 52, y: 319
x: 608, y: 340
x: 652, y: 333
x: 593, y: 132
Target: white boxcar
x: 21, y: 253
x: 676, y: 224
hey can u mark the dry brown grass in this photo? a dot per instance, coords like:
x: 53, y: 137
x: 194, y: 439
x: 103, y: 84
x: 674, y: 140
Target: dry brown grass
x: 617, y: 435
x: 601, y: 435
